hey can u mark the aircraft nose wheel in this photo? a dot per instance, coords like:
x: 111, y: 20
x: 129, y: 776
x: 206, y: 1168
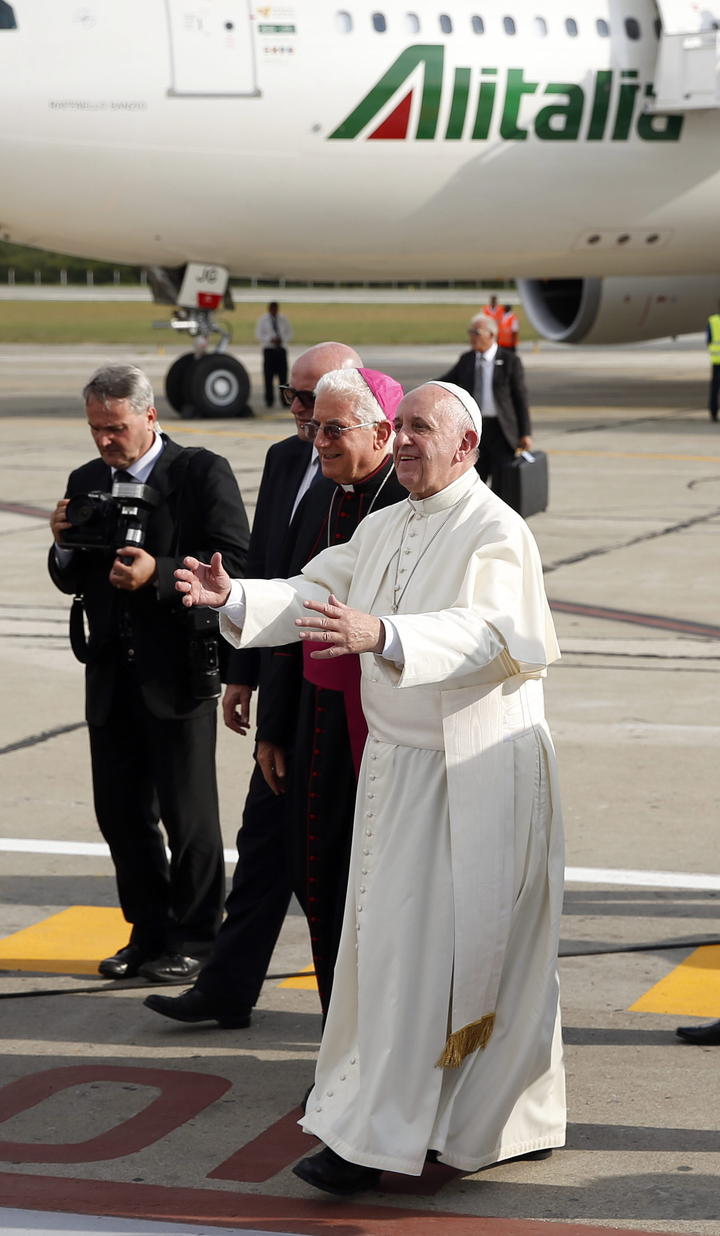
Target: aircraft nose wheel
x: 214, y: 385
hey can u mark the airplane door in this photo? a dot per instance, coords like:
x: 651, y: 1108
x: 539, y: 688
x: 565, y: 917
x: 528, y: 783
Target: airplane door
x: 212, y: 48
x: 687, y: 77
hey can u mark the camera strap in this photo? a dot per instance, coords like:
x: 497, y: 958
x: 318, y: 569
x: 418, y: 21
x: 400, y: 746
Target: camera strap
x: 78, y: 638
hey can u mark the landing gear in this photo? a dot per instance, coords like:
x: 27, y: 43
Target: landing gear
x: 211, y: 385
x: 200, y: 383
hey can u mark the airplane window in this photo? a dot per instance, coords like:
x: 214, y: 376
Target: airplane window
x: 602, y: 28
x: 478, y: 25
x: 412, y: 23
x: 540, y: 26
x: 632, y: 28
x: 343, y: 22
x: 509, y: 25
x: 445, y: 23
x: 379, y: 22
x: 7, y: 17
x: 571, y: 27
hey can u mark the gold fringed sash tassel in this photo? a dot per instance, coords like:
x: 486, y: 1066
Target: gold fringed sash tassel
x: 474, y: 1036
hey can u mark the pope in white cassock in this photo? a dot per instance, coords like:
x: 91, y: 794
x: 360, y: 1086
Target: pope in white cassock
x: 443, y: 1033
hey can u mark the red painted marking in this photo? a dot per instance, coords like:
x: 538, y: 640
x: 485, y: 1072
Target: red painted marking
x: 269, y: 1214
x: 275, y: 1149
x: 394, y: 126
x: 182, y: 1096
x: 637, y: 619
x: 208, y: 300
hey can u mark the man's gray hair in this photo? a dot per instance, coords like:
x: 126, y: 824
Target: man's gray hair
x: 482, y: 319
x: 120, y: 382
x: 349, y: 384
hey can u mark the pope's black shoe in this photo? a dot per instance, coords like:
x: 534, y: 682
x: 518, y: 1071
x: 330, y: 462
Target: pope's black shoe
x: 171, y: 968
x: 706, y: 1036
x: 125, y: 963
x: 327, y: 1171
x: 194, y: 1006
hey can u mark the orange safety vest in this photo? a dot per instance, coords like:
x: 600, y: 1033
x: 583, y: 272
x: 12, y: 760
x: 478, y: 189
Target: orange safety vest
x: 714, y: 344
x: 507, y: 326
x: 496, y: 313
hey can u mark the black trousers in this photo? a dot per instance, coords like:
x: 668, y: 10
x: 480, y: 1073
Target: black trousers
x: 274, y: 366
x: 495, y: 452
x: 257, y: 904
x: 714, y: 392
x: 145, y: 770
x: 321, y: 808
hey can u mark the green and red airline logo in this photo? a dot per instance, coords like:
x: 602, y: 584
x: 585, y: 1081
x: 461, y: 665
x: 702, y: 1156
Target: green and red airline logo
x: 483, y: 104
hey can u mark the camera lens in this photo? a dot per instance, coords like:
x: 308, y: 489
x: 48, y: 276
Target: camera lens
x: 80, y: 510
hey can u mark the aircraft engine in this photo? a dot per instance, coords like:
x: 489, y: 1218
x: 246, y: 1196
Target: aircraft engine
x: 619, y: 310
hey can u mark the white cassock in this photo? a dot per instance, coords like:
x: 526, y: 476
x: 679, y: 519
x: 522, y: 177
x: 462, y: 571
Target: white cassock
x: 450, y: 935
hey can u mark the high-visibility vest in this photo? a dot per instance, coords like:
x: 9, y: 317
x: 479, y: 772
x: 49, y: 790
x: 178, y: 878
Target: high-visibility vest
x: 495, y: 313
x: 714, y: 344
x: 507, y: 326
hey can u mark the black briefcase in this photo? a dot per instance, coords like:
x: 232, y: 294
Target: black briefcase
x: 524, y: 483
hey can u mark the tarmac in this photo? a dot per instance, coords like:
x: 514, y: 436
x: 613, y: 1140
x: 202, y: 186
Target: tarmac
x: 115, y: 1120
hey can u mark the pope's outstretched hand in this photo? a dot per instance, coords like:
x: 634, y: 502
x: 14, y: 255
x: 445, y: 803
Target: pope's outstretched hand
x: 201, y: 584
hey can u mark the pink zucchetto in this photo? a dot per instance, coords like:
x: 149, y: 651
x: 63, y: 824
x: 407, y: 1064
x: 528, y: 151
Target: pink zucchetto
x: 386, y: 390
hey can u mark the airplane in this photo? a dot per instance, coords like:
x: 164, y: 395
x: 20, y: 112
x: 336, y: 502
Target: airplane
x: 573, y: 146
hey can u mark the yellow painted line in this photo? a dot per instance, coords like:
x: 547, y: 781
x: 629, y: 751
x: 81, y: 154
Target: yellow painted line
x: 71, y: 942
x: 300, y: 983
x: 692, y: 989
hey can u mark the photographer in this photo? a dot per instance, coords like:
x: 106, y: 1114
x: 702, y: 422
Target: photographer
x: 152, y: 679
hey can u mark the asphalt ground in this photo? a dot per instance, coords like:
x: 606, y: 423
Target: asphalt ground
x: 113, y: 1119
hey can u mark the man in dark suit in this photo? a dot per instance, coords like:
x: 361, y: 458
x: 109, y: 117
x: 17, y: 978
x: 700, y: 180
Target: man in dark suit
x: 228, y: 986
x: 151, y: 679
x: 495, y: 378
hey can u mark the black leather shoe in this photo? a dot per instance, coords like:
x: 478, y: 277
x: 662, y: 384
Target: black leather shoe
x: 171, y: 968
x: 327, y: 1171
x: 194, y: 1006
x: 707, y: 1035
x: 125, y: 963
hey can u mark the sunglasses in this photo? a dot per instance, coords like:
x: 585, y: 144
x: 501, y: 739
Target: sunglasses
x: 288, y: 394
x: 311, y: 429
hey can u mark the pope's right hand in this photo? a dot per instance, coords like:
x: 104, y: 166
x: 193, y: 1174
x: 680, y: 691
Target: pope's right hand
x: 201, y: 584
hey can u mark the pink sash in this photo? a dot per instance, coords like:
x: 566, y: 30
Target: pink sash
x: 340, y: 674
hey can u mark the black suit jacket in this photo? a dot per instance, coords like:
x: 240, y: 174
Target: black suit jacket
x: 509, y: 393
x: 273, y: 534
x: 201, y: 511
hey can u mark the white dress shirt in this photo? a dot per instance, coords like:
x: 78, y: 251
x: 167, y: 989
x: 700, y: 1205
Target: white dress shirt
x: 312, y: 470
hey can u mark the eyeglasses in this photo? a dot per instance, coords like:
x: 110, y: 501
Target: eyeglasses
x: 288, y: 394
x: 311, y: 429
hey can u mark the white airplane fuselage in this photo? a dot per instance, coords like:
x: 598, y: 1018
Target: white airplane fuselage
x: 266, y: 139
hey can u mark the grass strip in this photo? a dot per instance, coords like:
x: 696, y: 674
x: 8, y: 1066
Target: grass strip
x: 112, y: 322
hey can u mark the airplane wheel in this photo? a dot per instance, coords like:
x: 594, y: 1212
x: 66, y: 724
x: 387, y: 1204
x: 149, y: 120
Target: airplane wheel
x: 219, y: 386
x: 177, y: 385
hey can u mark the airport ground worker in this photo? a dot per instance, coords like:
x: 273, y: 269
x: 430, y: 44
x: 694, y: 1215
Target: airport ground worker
x: 713, y: 345
x: 508, y: 329
x: 273, y: 332
x: 443, y: 1033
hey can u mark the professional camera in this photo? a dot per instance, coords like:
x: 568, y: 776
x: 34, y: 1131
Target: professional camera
x: 108, y: 521
x: 203, y: 653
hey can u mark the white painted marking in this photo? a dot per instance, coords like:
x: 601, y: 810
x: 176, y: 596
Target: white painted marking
x: 642, y: 879
x: 573, y: 875
x: 25, y: 1222
x: 80, y: 849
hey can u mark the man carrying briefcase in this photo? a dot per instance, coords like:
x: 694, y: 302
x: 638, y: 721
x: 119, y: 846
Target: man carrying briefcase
x: 495, y: 378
